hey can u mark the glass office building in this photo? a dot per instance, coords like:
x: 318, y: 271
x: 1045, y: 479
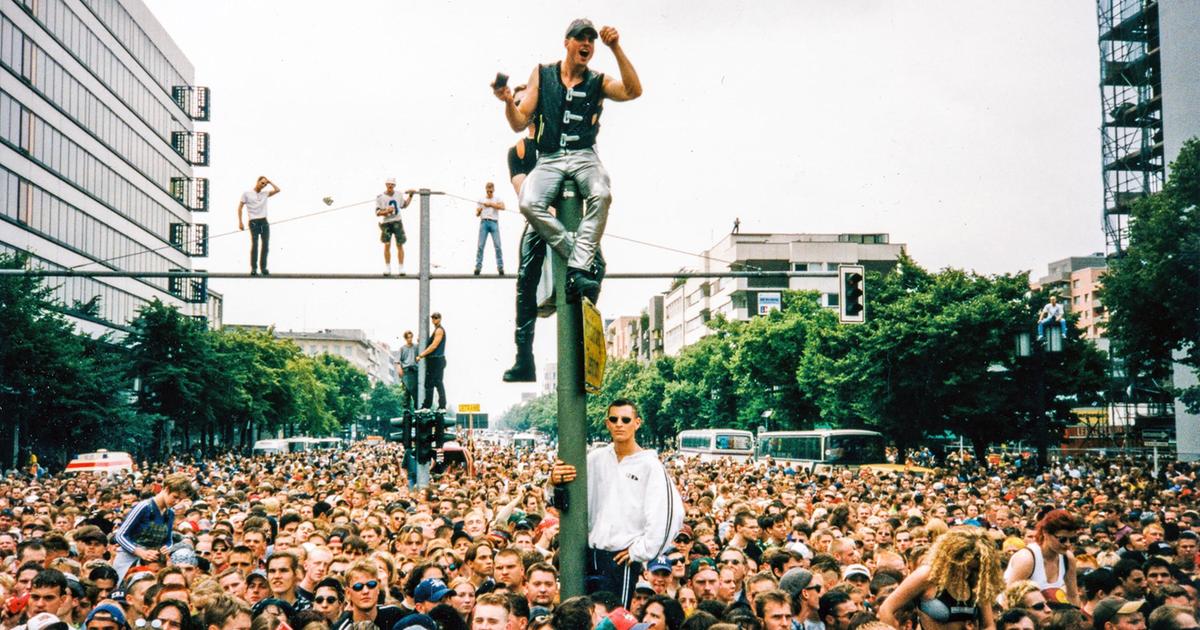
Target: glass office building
x: 98, y: 149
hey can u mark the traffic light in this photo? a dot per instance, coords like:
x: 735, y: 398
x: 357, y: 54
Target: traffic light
x: 402, y: 430
x: 852, y: 294
x: 430, y: 433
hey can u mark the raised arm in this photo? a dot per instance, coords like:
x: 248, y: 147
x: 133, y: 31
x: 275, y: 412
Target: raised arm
x: 520, y: 114
x: 274, y: 188
x: 628, y: 87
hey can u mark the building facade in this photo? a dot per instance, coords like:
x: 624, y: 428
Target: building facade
x: 373, y: 357
x: 97, y: 155
x: 690, y: 303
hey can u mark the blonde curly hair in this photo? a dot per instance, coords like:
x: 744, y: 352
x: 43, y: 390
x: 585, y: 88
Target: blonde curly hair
x: 964, y: 561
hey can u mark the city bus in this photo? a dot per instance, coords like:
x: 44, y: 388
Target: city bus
x: 713, y: 444
x: 823, y: 448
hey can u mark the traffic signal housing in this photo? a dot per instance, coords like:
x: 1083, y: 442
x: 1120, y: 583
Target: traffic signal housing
x: 852, y: 296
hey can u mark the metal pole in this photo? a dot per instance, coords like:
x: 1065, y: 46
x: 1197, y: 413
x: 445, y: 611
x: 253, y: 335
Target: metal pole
x: 423, y: 294
x: 572, y: 411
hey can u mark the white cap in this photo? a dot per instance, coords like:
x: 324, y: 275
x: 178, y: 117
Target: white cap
x: 391, y: 180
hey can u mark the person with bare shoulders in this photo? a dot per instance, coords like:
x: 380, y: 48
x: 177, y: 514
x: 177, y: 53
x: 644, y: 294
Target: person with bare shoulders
x: 955, y: 588
x: 564, y: 101
x: 1049, y: 562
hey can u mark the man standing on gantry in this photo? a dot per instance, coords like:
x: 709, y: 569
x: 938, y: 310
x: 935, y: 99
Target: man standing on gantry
x: 563, y: 101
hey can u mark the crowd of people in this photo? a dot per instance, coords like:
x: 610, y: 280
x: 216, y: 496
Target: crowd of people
x: 337, y: 540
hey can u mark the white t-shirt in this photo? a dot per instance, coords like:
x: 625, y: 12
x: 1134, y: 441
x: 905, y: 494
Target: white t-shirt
x: 256, y: 203
x: 394, y: 201
x: 488, y: 213
x: 1054, y: 311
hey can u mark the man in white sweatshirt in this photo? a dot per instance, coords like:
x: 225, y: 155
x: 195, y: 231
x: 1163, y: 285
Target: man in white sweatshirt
x: 634, y: 508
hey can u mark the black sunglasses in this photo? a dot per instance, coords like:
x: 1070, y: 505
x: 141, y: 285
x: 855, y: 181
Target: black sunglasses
x: 621, y: 419
x: 358, y: 586
x: 326, y: 600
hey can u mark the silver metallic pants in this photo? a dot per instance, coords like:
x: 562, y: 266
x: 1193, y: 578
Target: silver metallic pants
x: 542, y: 186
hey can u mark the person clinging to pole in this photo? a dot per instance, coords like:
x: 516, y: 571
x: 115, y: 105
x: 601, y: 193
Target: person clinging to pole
x: 564, y: 100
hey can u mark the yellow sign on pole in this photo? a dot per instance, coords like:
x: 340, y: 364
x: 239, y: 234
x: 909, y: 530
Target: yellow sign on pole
x: 468, y: 408
x: 594, y: 351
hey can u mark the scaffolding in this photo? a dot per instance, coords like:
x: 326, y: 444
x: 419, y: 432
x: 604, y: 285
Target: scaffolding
x: 1131, y: 120
x: 1133, y: 167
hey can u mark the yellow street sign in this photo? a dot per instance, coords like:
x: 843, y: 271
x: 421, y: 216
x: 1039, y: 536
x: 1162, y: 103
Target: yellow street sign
x: 594, y: 351
x: 469, y: 408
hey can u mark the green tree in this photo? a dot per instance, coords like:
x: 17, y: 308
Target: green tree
x: 767, y: 353
x: 937, y: 354
x: 346, y: 388
x: 1152, y: 291
x: 384, y: 403
x: 169, y: 353
x: 60, y: 392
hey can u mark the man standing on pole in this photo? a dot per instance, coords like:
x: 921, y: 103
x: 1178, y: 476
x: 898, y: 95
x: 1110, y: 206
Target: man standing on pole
x: 634, y: 509
x: 387, y: 207
x: 564, y: 100
x: 255, y: 202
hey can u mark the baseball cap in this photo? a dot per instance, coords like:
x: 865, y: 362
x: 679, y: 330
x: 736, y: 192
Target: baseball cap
x: 431, y: 590
x: 1161, y: 548
x: 45, y: 621
x: 856, y: 569
x: 416, y: 620
x: 391, y: 180
x: 795, y: 581
x: 113, y: 612
x: 256, y: 575
x: 581, y: 25
x: 184, y: 556
x: 1110, y: 607
x: 643, y: 587
x: 659, y: 564
x: 1056, y: 598
x: 618, y: 619
x: 699, y: 564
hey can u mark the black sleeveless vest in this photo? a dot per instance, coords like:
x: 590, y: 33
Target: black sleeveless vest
x: 567, y: 118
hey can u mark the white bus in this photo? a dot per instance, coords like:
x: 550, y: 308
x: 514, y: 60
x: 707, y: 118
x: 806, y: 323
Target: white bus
x: 823, y: 448
x: 713, y: 444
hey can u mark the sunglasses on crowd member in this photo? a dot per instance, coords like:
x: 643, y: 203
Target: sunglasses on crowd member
x: 621, y: 419
x: 146, y: 623
x: 1066, y: 539
x: 358, y: 586
x: 332, y: 599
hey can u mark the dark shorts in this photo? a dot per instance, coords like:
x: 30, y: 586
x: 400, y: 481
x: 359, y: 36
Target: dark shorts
x: 388, y: 230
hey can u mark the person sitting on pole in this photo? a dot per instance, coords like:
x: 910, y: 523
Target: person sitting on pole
x: 522, y: 157
x: 564, y: 100
x: 1052, y: 312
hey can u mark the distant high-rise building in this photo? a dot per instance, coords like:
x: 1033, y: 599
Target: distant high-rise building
x: 97, y: 153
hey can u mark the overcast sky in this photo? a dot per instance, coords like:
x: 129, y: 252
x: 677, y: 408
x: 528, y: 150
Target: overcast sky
x: 968, y: 130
